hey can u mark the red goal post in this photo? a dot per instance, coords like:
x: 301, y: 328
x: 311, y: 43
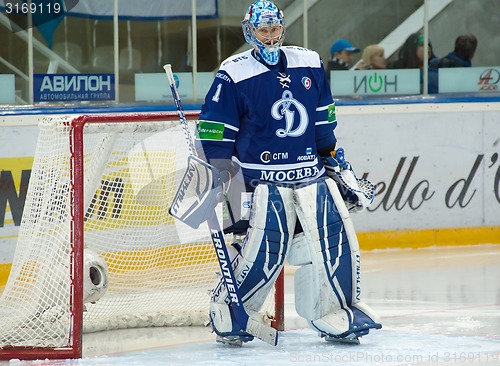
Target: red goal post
x: 96, y: 226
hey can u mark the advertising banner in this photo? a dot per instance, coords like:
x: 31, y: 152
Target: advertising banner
x: 73, y: 87
x: 8, y: 89
x: 432, y: 168
x: 375, y: 82
x: 469, y: 79
x: 154, y: 86
x: 145, y: 10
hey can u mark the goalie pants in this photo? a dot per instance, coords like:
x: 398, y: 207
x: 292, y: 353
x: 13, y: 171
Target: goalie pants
x: 327, y: 284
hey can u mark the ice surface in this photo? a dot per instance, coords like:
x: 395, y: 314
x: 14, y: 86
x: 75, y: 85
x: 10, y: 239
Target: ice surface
x: 438, y: 306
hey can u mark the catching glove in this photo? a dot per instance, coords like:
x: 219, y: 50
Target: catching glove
x: 358, y: 193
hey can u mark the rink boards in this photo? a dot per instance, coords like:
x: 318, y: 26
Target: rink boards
x: 436, y: 168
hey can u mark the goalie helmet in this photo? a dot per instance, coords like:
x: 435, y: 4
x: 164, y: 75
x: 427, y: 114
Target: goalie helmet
x: 264, y: 29
x: 95, y: 277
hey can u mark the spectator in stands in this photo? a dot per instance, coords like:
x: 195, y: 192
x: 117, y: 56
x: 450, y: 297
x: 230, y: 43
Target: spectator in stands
x: 341, y: 56
x: 373, y: 58
x: 411, y: 54
x: 465, y: 48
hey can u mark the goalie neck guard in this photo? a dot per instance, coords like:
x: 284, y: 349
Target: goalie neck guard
x: 264, y: 20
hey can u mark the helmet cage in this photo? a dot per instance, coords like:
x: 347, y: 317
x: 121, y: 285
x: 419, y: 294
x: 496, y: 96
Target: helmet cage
x: 264, y: 14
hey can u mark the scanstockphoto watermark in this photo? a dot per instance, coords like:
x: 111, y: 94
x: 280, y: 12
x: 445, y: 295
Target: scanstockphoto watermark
x: 354, y: 357
x: 370, y: 358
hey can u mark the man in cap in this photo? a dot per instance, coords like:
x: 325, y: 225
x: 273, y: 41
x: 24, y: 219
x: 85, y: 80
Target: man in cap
x: 342, y: 53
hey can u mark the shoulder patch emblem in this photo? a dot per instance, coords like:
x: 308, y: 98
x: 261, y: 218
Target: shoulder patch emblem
x: 306, y: 82
x: 210, y: 130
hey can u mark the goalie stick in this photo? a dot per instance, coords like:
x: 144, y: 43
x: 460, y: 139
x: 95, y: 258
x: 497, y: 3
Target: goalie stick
x: 246, y: 323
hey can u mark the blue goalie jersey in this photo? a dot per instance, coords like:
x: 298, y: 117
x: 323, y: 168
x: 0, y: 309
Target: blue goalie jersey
x: 270, y: 123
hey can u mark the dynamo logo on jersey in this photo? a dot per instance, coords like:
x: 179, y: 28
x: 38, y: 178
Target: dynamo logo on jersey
x: 292, y: 110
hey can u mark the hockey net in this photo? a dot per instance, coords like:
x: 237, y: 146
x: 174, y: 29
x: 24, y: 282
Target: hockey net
x: 105, y: 183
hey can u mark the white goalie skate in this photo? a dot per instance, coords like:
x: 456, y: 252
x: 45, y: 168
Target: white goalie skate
x: 221, y: 323
x: 351, y: 338
x: 236, y: 341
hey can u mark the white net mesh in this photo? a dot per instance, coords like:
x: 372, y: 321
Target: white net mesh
x: 160, y: 270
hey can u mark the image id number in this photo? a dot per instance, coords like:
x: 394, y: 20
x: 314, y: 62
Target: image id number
x: 32, y: 8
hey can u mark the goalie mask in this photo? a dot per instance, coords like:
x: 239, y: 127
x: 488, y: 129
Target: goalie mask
x: 264, y: 29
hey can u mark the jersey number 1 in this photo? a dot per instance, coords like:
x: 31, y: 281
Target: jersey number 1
x: 216, y: 96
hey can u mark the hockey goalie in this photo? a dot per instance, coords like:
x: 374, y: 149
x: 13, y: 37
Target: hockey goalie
x: 268, y: 121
